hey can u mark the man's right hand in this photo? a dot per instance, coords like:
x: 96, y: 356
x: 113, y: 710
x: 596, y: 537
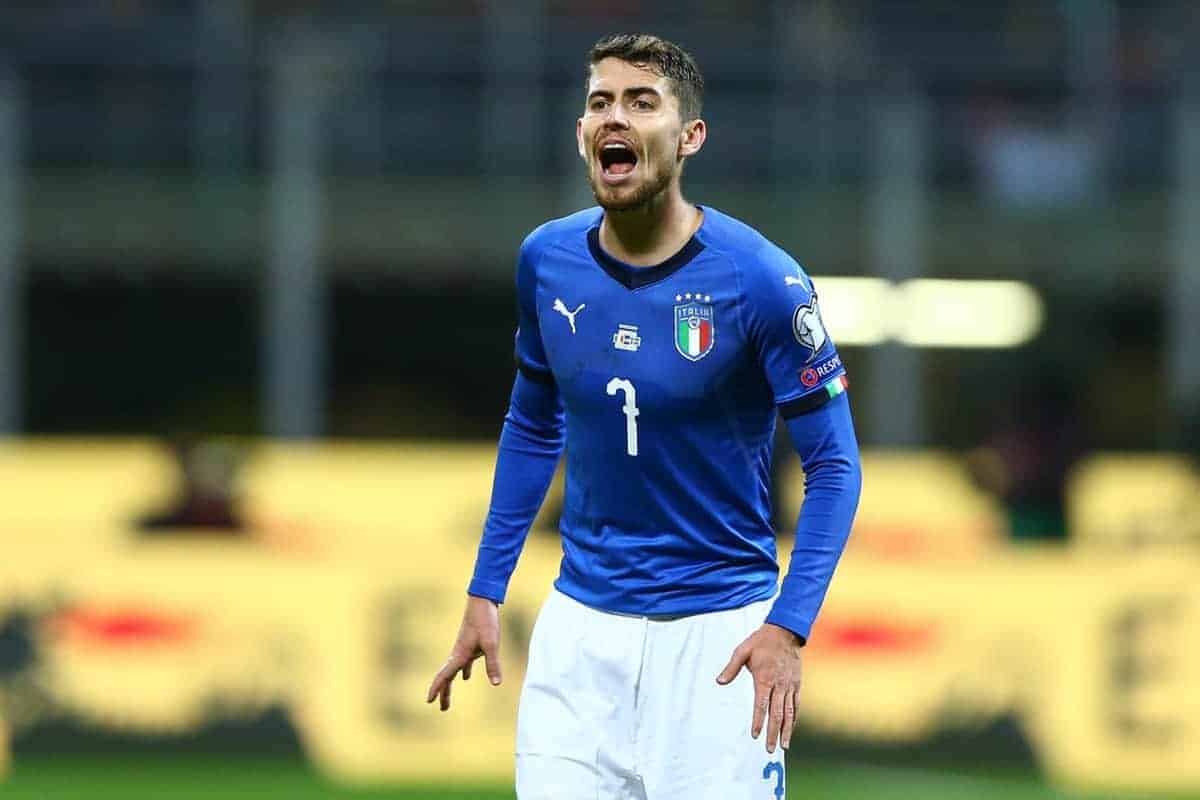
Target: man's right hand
x: 478, y: 636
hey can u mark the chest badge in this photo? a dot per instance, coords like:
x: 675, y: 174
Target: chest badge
x: 694, y: 330
x: 626, y: 338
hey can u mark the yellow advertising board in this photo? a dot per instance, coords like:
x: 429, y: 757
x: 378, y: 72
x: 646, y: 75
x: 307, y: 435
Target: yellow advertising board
x: 916, y: 504
x: 341, y: 597
x: 1097, y: 658
x: 1127, y: 502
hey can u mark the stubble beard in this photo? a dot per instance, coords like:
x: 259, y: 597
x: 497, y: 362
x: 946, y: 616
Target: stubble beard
x: 642, y: 197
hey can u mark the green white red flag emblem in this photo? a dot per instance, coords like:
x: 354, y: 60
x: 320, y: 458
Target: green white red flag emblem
x: 694, y: 329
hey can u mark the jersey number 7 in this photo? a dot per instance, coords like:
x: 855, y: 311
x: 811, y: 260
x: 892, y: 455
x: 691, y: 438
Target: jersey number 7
x: 630, y: 409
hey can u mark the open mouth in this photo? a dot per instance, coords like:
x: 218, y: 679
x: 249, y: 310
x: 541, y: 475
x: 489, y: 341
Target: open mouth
x: 617, y: 160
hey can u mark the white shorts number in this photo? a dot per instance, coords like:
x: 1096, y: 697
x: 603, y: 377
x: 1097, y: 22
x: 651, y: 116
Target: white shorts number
x: 631, y: 412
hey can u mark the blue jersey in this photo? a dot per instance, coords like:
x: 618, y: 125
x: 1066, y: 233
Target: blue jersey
x: 669, y: 379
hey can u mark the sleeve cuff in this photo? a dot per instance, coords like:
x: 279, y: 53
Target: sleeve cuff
x: 792, y: 621
x: 489, y: 590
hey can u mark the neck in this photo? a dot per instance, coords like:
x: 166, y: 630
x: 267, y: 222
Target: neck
x: 651, y: 233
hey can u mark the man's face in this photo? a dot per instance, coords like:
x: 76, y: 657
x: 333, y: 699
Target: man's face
x: 631, y: 136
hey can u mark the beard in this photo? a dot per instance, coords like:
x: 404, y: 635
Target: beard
x: 621, y: 198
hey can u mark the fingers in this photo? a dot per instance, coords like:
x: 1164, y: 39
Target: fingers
x: 491, y: 660
x: 479, y: 635
x: 789, y: 718
x: 440, y: 688
x: 444, y: 675
x: 778, y: 705
x: 762, y: 702
x: 781, y: 719
x: 736, y: 661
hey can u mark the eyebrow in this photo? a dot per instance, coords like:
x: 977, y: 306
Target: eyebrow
x: 631, y: 91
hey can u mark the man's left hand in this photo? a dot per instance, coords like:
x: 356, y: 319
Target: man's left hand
x: 772, y: 654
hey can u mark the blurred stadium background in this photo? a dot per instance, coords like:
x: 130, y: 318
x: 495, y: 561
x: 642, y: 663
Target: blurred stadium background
x: 255, y: 346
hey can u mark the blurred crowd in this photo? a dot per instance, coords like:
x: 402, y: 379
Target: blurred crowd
x: 1040, y: 104
x: 1052, y: 148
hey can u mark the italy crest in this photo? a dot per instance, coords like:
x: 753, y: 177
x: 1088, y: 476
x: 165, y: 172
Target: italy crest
x: 694, y: 327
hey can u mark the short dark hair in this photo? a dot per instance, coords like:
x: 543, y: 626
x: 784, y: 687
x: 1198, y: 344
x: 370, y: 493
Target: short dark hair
x: 660, y: 57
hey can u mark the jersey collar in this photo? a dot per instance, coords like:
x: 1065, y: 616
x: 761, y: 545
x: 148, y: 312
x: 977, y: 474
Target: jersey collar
x: 632, y: 277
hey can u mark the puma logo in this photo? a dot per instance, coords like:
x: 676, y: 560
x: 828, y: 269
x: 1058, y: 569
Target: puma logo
x: 789, y: 280
x: 561, y: 308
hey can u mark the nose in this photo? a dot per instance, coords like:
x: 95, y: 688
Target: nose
x: 616, y: 117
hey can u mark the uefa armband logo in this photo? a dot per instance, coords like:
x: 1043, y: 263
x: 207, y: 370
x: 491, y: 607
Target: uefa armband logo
x: 811, y: 376
x: 808, y: 327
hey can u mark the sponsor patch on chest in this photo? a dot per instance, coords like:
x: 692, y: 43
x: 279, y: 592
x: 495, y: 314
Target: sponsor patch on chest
x: 626, y: 338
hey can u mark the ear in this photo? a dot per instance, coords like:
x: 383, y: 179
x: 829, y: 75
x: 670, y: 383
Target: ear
x: 579, y: 138
x: 691, y: 137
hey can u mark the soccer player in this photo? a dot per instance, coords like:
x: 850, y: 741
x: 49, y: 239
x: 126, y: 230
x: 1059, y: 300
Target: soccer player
x: 657, y: 340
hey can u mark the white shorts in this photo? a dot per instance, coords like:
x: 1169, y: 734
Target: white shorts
x: 627, y: 708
